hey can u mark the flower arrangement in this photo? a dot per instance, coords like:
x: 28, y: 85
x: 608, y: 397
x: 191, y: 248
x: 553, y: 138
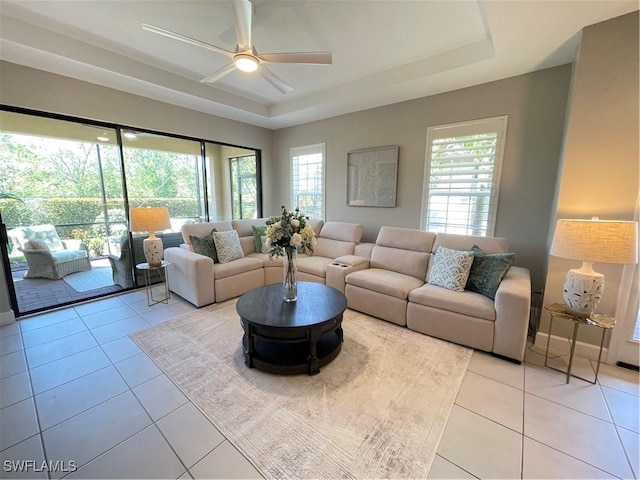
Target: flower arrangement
x: 290, y: 231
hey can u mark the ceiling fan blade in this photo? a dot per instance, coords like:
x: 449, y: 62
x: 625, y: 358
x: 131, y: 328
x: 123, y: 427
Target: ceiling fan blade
x: 185, y: 39
x: 309, y: 58
x: 274, y: 80
x: 215, y: 76
x: 242, y: 13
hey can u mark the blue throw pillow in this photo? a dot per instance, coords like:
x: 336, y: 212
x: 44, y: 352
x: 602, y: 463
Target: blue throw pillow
x: 487, y: 271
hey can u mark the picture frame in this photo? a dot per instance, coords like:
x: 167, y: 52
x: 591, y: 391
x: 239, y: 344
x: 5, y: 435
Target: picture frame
x: 372, y: 177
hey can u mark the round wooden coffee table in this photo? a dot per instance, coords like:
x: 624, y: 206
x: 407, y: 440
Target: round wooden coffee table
x: 295, y: 337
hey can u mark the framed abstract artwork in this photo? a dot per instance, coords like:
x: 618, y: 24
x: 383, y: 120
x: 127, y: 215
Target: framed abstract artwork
x: 372, y: 177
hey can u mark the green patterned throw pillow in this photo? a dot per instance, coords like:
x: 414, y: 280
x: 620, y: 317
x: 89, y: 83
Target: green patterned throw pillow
x: 258, y: 232
x: 487, y: 271
x: 205, y: 246
x: 450, y: 268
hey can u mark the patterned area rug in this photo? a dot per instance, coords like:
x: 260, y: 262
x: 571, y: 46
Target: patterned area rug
x: 377, y: 411
x: 90, y: 279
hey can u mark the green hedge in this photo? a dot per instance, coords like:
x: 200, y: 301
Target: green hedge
x: 60, y: 211
x: 74, y: 211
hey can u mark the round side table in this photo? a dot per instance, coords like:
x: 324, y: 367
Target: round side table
x: 604, y: 322
x: 164, y: 277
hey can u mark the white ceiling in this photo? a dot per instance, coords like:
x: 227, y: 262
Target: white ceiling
x: 383, y: 51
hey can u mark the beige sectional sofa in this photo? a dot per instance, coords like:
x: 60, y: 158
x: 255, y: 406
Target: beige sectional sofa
x: 388, y: 280
x: 393, y: 286
x: 199, y: 280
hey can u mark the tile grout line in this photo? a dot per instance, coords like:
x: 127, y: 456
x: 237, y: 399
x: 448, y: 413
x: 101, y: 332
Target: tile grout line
x: 624, y: 449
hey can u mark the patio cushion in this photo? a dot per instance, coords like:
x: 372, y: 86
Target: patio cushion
x: 68, y: 255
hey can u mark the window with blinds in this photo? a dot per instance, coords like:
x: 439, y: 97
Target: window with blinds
x: 307, y: 179
x: 462, y: 176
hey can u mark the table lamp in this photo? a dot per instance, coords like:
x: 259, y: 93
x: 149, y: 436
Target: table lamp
x: 592, y: 241
x: 150, y: 219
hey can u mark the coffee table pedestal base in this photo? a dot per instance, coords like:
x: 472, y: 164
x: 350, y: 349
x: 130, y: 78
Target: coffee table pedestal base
x: 291, y: 352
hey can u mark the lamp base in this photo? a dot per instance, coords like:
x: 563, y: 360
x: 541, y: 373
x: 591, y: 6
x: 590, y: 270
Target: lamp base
x: 152, y: 248
x: 582, y: 291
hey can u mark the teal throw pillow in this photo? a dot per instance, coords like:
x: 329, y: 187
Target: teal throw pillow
x: 487, y: 271
x: 205, y: 246
x: 258, y: 232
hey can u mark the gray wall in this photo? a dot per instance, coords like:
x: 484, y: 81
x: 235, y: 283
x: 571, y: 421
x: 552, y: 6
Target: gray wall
x: 600, y: 168
x: 536, y: 105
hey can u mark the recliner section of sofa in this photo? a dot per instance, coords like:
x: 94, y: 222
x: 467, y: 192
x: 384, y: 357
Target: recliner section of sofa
x: 197, y: 279
x: 387, y: 279
x: 395, y: 288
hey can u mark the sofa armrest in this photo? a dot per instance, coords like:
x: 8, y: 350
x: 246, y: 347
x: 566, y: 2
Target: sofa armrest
x: 191, y: 276
x: 341, y: 267
x: 512, y: 304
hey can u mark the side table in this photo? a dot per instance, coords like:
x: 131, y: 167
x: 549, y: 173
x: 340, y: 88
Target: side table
x: 604, y: 322
x: 162, y: 271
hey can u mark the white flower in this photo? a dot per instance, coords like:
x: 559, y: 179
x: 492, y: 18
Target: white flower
x: 296, y: 240
x: 267, y: 243
x: 295, y: 223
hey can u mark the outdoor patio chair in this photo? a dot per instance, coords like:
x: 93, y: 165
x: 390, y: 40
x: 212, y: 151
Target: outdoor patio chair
x: 47, y: 256
x: 121, y: 265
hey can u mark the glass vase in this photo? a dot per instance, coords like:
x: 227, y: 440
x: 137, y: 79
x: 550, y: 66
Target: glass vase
x: 289, y: 286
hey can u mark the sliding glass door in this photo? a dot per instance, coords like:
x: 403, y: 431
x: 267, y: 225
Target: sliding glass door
x: 66, y: 187
x: 233, y: 183
x: 62, y: 202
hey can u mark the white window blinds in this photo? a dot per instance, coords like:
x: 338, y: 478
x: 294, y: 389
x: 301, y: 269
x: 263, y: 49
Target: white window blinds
x: 307, y: 179
x: 462, y: 176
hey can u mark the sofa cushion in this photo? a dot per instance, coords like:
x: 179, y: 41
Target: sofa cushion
x: 228, y: 246
x: 466, y: 303
x: 205, y: 246
x: 314, y: 265
x: 68, y: 255
x: 398, y: 260
x: 346, y: 232
x: 384, y: 281
x: 406, y: 239
x: 487, y: 271
x: 244, y: 227
x: 465, y: 242
x: 451, y: 268
x: 238, y: 266
x: 259, y: 231
x: 329, y: 248
x: 201, y: 229
x: 266, y: 261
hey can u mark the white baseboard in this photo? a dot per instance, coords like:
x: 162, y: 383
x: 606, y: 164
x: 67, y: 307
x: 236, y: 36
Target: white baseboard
x: 7, y: 318
x: 560, y: 345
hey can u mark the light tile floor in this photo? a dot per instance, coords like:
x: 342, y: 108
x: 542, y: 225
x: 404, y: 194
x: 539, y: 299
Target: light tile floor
x: 76, y: 392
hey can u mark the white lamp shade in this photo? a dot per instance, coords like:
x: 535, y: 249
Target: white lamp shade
x: 151, y: 219
x: 597, y: 241
x: 592, y: 241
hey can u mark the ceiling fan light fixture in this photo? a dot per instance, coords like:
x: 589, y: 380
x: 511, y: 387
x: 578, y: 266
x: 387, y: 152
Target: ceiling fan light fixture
x: 245, y: 63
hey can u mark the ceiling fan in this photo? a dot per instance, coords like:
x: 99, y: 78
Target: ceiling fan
x: 245, y: 57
